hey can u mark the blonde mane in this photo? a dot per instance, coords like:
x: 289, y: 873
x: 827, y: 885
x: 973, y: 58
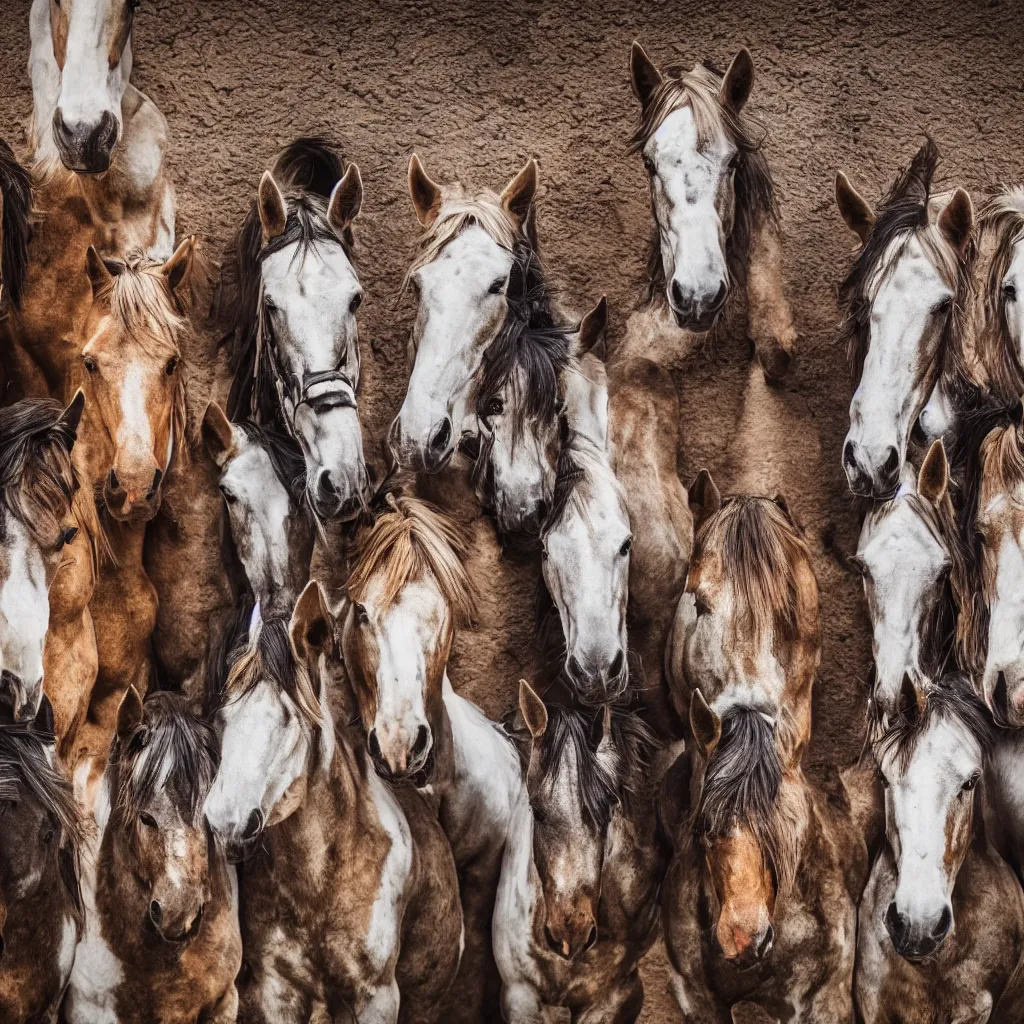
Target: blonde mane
x: 410, y: 540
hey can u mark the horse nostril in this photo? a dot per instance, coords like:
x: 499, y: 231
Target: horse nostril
x: 254, y: 826
x: 1001, y: 699
x: 616, y: 666
x: 677, y: 296
x: 374, y: 744
x: 552, y: 942
x: 892, y: 463
x: 422, y: 739
x: 443, y: 434
x: 941, y: 930
x: 115, y: 484
x: 766, y: 942
x: 151, y: 493
x: 591, y: 938
x: 327, y: 485
x: 575, y: 668
x: 156, y: 912
x: 719, y: 300
x: 848, y: 455
x: 896, y: 924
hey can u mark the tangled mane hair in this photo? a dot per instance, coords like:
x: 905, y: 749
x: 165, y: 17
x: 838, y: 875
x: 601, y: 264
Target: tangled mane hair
x: 171, y: 750
x: 743, y: 785
x: 38, y: 481
x: 581, y: 466
x: 16, y: 199
x: 904, y: 215
x: 700, y: 89
x: 306, y: 172
x: 951, y: 698
x: 25, y: 764
x: 1003, y: 216
x: 761, y: 548
x: 410, y: 539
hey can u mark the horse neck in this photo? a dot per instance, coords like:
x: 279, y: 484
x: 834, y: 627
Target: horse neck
x: 451, y: 490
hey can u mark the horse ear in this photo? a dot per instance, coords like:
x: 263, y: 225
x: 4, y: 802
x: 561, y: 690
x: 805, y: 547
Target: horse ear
x: 310, y: 628
x: 270, y: 204
x: 346, y: 199
x: 100, y: 275
x: 535, y: 714
x: 643, y: 75
x: 68, y: 420
x: 705, y: 725
x: 704, y: 498
x: 855, y: 210
x: 218, y: 434
x: 933, y: 479
x: 129, y: 714
x: 177, y: 267
x: 738, y: 82
x: 520, y: 191
x: 956, y: 222
x: 910, y: 704
x: 426, y: 196
x: 593, y: 326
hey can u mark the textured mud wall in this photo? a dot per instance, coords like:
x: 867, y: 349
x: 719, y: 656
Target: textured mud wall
x: 475, y: 88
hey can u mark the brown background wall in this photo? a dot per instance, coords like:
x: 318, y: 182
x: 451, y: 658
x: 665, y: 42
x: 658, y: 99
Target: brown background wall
x: 476, y: 88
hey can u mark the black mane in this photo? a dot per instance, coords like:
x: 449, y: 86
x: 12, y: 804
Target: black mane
x: 16, y: 192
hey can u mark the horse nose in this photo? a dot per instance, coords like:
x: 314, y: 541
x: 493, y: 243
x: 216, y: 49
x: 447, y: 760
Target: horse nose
x: 719, y: 300
x: 422, y: 744
x: 898, y: 927
x: 113, y: 481
x: 253, y: 827
x: 942, y: 927
x: 615, y: 669
x: 888, y: 476
x: 156, y: 912
x: 85, y: 148
x: 441, y: 437
x: 155, y: 486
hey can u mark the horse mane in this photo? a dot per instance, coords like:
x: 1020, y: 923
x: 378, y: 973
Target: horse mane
x: 24, y: 762
x: 760, y: 546
x: 901, y: 216
x: 285, y: 457
x: 1002, y: 214
x: 743, y: 784
x: 406, y: 541
x: 580, y: 465
x: 306, y: 172
x: 174, y: 751
x: 699, y: 89
x: 951, y: 698
x: 530, y: 351
x: 269, y: 658
x: 16, y: 193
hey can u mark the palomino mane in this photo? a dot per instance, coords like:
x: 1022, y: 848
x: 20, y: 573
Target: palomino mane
x: 952, y: 698
x: 174, y: 751
x: 407, y: 541
x: 306, y: 172
x: 24, y: 762
x: 743, y: 785
x: 581, y: 464
x: 761, y: 548
x: 16, y: 195
x: 699, y: 90
x: 1002, y: 215
x: 903, y: 215
x: 269, y: 658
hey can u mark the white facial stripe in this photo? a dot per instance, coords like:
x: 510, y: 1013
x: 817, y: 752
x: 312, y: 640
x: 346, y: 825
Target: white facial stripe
x: 135, y: 431
x: 1006, y: 616
x: 24, y: 611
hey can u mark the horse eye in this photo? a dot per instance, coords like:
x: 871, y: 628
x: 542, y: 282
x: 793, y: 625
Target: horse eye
x: 357, y: 301
x: 47, y: 834
x: 970, y: 783
x: 539, y: 817
x: 172, y: 365
x: 134, y: 5
x: 544, y: 554
x: 90, y: 364
x: 883, y: 780
x: 701, y: 605
x: 147, y: 819
x: 67, y: 535
x: 627, y: 546
x: 1010, y: 292
x: 361, y: 614
x: 859, y: 566
x: 944, y: 307
x: 495, y: 406
x: 496, y: 286
x: 648, y: 164
x: 228, y: 496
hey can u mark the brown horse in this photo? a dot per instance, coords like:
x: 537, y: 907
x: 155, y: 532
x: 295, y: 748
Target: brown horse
x: 715, y: 219
x: 578, y: 903
x: 349, y: 893
x: 746, y: 629
x: 41, y: 914
x: 760, y: 901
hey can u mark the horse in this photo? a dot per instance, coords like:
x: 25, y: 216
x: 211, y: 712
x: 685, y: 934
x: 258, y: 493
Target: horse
x: 714, y: 211
x: 289, y: 294
x: 349, y: 893
x: 760, y: 900
x: 746, y: 629
x: 577, y: 906
x: 906, y: 303
x: 406, y: 595
x: 915, y: 570
x: 1001, y: 334
x: 941, y: 922
x: 16, y: 212
x: 162, y: 940
x: 94, y: 137
x: 41, y: 833
x: 270, y: 530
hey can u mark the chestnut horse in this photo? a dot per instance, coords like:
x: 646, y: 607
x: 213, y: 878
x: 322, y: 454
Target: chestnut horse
x: 161, y: 940
x: 41, y: 914
x: 715, y: 220
x: 349, y: 893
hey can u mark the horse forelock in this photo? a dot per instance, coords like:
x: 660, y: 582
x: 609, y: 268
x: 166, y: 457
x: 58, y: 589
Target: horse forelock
x: 409, y: 539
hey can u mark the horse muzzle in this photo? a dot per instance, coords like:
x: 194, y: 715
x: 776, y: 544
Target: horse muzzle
x: 913, y: 941
x: 129, y: 502
x: 404, y: 766
x: 83, y: 147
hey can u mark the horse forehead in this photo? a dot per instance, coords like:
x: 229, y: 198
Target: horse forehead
x: 321, y: 271
x: 470, y: 257
x: 251, y: 473
x: 676, y: 140
x: 945, y: 755
x: 901, y: 532
x: 911, y: 275
x: 419, y: 610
